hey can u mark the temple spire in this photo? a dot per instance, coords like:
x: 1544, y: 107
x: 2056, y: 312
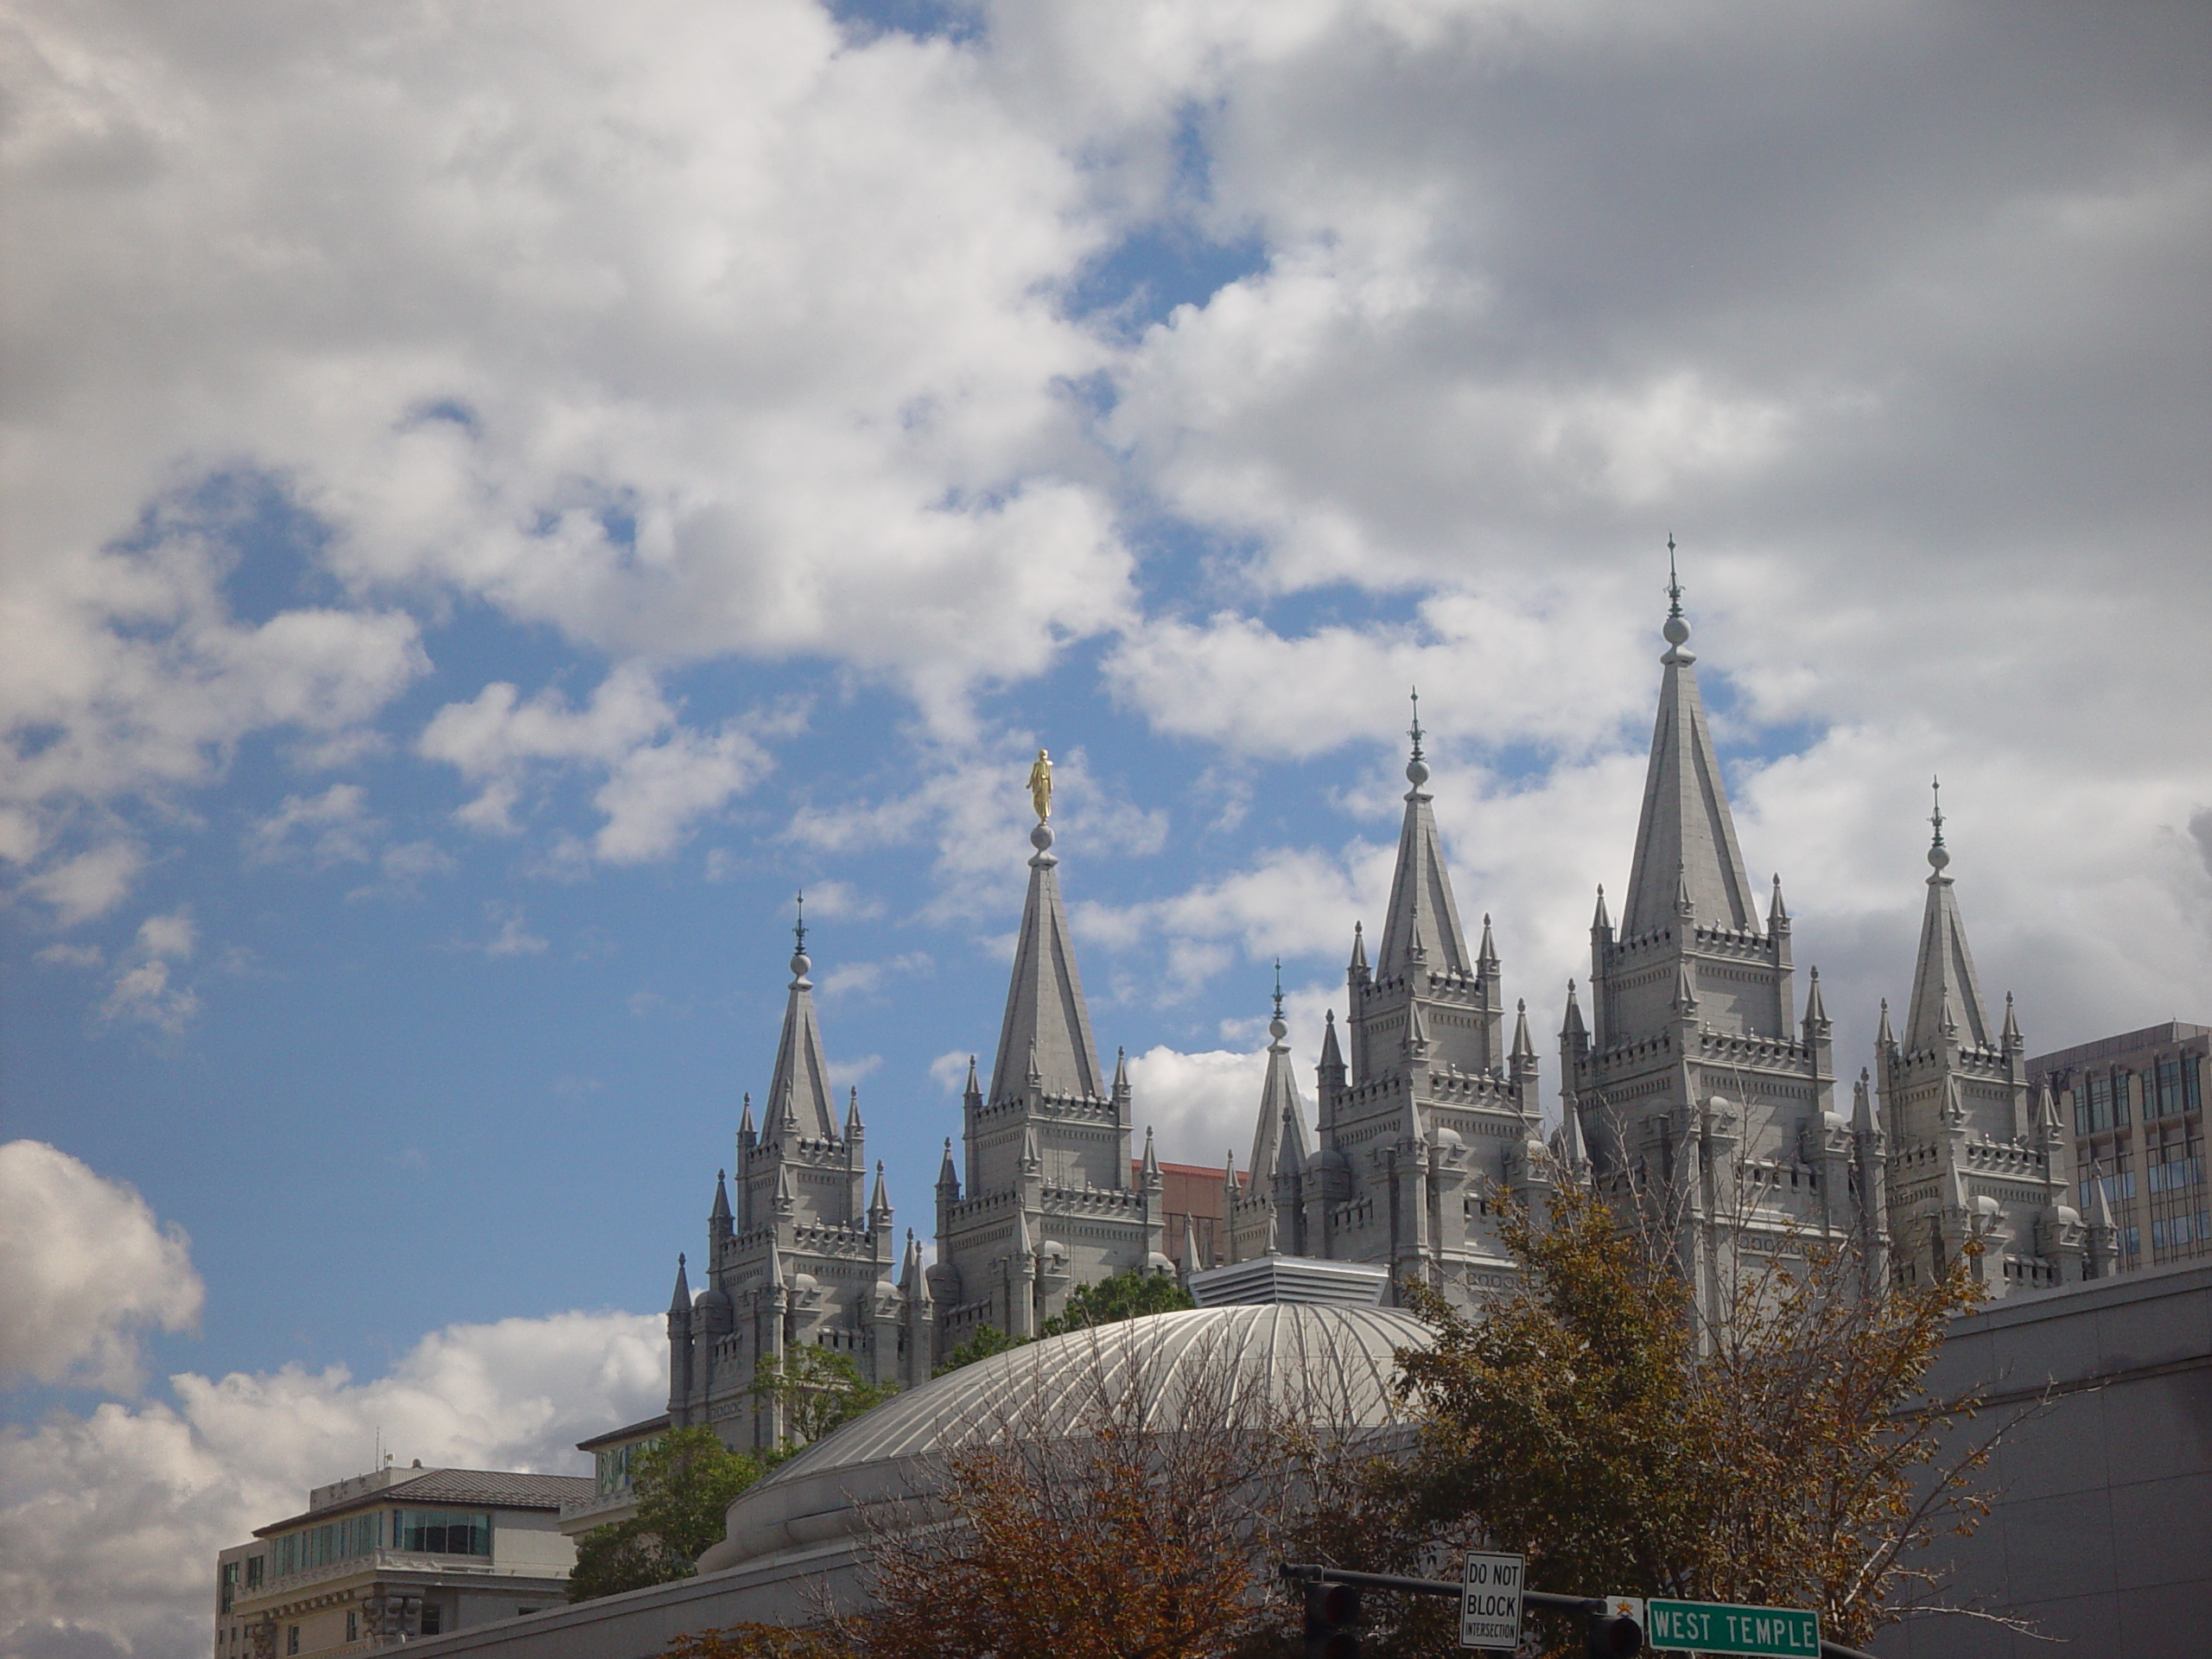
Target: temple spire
x: 1423, y: 925
x: 1686, y: 839
x: 1280, y: 1130
x: 798, y: 1091
x: 1945, y: 995
x: 1047, y: 1032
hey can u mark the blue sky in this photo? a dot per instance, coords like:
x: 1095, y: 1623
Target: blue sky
x: 499, y: 498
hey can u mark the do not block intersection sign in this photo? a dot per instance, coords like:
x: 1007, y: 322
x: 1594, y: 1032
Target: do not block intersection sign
x: 1490, y: 1604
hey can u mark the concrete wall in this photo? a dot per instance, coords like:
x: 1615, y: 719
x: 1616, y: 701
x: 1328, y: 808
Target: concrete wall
x: 2102, y: 1533
x: 639, y: 1624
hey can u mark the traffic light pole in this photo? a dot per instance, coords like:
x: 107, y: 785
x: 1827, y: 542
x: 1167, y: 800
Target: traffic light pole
x: 1543, y: 1601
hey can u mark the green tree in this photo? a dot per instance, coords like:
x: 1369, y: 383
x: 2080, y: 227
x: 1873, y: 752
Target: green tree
x: 1127, y: 1296
x: 819, y: 1389
x: 1774, y: 1449
x: 683, y: 1481
x: 988, y: 1340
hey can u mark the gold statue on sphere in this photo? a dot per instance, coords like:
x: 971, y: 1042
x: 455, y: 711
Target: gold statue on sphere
x: 1040, y: 785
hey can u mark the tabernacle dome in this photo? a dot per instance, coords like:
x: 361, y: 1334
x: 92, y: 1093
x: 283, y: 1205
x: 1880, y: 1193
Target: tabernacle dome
x: 1332, y: 1366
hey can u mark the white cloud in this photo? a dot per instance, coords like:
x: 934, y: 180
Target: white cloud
x: 513, y: 937
x: 738, y: 336
x: 141, y: 991
x: 1198, y: 1105
x: 846, y: 1073
x: 334, y: 826
x: 174, y: 936
x: 83, y: 1266
x: 949, y: 1069
x: 660, y: 775
x: 112, y: 1519
x: 866, y: 978
x: 92, y: 883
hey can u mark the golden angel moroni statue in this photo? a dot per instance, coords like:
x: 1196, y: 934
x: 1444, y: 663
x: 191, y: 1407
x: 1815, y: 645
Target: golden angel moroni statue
x: 1040, y: 785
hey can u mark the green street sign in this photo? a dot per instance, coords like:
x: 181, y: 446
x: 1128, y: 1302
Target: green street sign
x: 1716, y: 1627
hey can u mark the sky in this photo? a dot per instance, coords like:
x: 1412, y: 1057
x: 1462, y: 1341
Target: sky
x: 501, y: 496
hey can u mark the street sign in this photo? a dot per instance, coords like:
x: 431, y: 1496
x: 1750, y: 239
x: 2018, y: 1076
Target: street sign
x: 1717, y: 1627
x: 1625, y: 1607
x: 1489, y: 1601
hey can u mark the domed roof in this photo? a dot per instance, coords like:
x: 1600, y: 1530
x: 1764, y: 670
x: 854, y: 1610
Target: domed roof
x: 1286, y: 1352
x: 1333, y: 1365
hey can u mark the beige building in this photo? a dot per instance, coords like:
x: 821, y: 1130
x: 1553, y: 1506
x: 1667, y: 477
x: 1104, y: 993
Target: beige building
x: 393, y: 1556
x: 2133, y: 1106
x: 612, y: 1497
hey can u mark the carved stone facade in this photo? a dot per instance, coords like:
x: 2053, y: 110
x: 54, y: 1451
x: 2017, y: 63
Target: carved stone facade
x: 1698, y: 1092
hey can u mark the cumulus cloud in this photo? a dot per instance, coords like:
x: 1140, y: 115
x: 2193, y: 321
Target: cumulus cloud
x: 112, y: 1519
x: 84, y: 1266
x: 1199, y: 1104
x: 659, y: 775
x: 90, y: 884
x: 674, y: 380
x: 142, y: 991
x: 331, y: 827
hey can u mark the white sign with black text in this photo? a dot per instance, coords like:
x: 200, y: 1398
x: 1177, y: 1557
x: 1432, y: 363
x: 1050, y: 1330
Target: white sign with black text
x: 1490, y: 1606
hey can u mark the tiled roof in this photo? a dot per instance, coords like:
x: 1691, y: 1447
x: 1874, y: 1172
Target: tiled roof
x: 494, y: 1488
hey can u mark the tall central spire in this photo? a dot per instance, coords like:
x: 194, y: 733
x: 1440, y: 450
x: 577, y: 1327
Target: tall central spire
x: 1686, y: 841
x: 1422, y: 923
x: 798, y: 1092
x: 1046, y: 1032
x: 1945, y: 993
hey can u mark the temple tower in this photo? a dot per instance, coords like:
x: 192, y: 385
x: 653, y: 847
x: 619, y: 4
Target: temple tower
x: 801, y: 1257
x: 1432, y: 1104
x: 1270, y: 1213
x: 1050, y: 1199
x: 1970, y: 1157
x: 1697, y: 1094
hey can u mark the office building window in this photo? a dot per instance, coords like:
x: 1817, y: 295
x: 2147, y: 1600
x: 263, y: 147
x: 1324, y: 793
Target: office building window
x: 333, y: 1541
x: 291, y: 1638
x: 2172, y: 1168
x: 2100, y: 1103
x: 2177, y: 1234
x: 352, y: 1625
x: 2162, y: 1090
x: 253, y: 1569
x: 2119, y: 1182
x: 431, y: 1623
x: 441, y: 1532
x: 228, y: 1591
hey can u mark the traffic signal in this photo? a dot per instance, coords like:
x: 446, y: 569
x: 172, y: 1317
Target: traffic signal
x: 1614, y: 1636
x: 1331, y: 1622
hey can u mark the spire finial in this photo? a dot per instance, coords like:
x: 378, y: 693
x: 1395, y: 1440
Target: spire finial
x: 1938, y: 853
x: 1277, y: 1030
x: 1416, y: 768
x: 1676, y: 630
x: 801, y: 962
